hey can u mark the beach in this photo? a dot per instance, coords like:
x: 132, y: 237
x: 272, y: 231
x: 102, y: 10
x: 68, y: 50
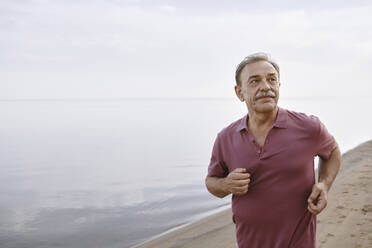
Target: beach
x: 345, y: 223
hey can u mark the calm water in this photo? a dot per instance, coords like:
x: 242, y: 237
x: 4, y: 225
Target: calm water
x: 114, y: 173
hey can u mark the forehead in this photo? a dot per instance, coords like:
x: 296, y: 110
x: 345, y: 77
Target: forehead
x: 259, y: 68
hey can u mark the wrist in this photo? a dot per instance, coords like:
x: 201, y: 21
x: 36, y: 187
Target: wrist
x: 225, y: 186
x: 324, y: 185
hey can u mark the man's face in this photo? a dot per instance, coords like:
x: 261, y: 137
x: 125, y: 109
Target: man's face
x: 259, y: 87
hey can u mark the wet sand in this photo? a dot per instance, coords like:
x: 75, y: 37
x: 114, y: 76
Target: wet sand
x: 345, y: 223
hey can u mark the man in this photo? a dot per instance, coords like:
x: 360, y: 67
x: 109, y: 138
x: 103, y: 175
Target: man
x: 266, y: 161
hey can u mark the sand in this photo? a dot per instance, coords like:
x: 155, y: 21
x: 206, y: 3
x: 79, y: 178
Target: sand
x: 345, y: 223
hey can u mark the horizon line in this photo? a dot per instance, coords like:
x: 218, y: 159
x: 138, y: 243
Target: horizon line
x: 152, y: 98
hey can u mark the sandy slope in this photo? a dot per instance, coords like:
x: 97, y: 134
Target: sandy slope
x: 346, y: 222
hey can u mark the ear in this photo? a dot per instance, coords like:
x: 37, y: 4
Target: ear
x: 238, y: 92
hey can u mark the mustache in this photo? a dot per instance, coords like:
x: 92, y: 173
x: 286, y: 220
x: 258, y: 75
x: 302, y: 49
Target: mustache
x: 261, y: 94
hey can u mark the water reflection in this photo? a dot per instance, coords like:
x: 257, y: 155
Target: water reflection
x: 97, y: 219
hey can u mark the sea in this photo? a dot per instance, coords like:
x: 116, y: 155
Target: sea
x: 116, y: 172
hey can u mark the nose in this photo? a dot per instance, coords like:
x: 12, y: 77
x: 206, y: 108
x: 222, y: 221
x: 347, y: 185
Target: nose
x: 265, y: 85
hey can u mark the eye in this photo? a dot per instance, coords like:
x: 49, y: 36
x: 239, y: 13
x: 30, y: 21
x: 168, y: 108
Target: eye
x: 254, y: 81
x: 272, y: 80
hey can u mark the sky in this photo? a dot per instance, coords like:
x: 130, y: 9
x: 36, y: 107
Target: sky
x: 141, y: 48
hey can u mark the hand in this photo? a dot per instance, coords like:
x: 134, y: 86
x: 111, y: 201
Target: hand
x: 318, y: 198
x: 237, y: 181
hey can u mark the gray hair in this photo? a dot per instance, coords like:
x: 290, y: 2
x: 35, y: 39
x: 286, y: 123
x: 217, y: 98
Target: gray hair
x: 255, y: 57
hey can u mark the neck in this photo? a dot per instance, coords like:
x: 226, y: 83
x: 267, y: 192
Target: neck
x: 262, y: 120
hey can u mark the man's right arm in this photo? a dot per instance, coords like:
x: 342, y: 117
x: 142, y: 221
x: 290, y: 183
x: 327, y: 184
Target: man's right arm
x: 236, y: 182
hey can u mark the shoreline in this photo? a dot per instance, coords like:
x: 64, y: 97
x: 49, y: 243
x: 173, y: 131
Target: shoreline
x: 183, y: 236
x: 346, y: 222
x: 204, y: 216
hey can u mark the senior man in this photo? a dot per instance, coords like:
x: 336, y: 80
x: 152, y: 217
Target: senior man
x: 266, y: 161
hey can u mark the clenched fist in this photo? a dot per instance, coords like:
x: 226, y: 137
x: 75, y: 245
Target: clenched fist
x: 237, y: 181
x: 318, y: 199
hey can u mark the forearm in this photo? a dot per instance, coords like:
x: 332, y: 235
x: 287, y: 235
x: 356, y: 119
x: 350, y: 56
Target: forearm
x: 216, y: 186
x: 328, y: 169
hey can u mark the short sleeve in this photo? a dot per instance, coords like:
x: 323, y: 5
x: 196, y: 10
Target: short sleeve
x: 325, y: 142
x: 217, y: 167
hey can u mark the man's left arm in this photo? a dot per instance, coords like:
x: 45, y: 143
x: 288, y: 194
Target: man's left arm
x: 328, y: 170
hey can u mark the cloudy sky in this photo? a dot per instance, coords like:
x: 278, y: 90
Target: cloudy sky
x: 174, y: 48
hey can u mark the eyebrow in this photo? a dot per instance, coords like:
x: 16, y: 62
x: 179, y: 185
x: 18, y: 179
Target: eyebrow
x: 253, y: 76
x: 258, y: 76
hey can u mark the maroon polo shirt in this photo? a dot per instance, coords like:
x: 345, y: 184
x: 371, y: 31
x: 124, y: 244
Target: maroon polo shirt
x: 273, y: 213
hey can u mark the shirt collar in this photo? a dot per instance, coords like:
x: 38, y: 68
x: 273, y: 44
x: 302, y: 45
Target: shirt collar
x: 281, y: 119
x: 280, y: 122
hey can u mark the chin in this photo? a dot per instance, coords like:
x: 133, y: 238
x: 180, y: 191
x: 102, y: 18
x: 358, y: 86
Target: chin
x: 265, y: 107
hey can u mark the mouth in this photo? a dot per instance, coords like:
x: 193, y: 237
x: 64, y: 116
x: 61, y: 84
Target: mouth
x: 264, y: 97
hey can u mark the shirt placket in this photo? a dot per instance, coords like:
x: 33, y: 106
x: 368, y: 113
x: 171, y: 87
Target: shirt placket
x: 260, y: 151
